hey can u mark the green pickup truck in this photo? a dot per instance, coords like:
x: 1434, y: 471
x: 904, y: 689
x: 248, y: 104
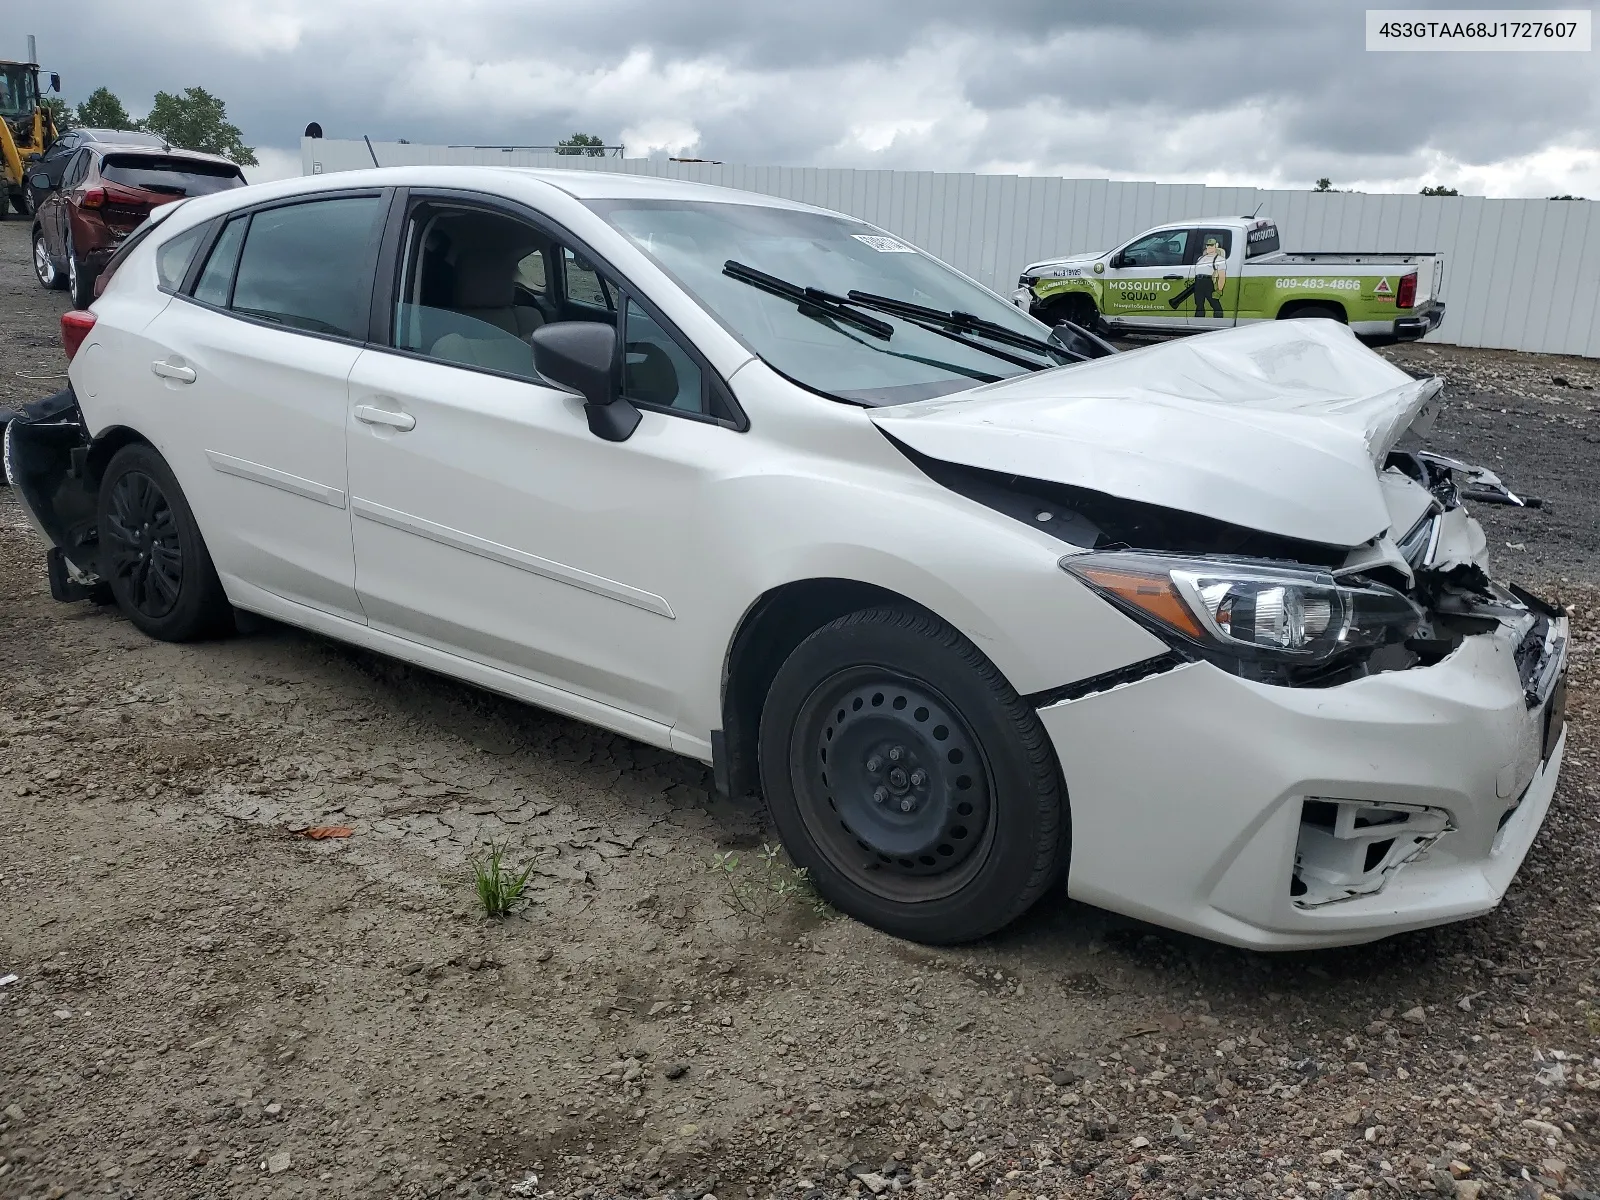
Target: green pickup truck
x: 1222, y: 271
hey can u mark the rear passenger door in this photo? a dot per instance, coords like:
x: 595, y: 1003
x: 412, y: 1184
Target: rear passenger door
x: 253, y: 361
x: 1213, y: 280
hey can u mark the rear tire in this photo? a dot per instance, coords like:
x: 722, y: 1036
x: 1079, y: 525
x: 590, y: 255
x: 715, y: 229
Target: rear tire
x: 44, y: 267
x: 80, y: 284
x: 917, y: 789
x: 152, y: 554
x: 1313, y: 311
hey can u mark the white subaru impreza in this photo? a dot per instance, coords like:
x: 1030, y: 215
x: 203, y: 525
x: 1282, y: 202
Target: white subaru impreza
x: 975, y: 605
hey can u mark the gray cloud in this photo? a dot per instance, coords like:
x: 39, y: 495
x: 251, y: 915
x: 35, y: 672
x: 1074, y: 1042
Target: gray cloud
x: 1251, y: 91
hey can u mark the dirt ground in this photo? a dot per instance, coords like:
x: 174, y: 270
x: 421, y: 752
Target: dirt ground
x: 210, y: 1005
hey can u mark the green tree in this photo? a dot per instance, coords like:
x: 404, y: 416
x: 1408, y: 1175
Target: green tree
x: 102, y: 110
x: 582, y: 143
x: 197, y: 120
x: 1567, y: 197
x: 1440, y: 190
x: 1323, y: 185
x: 57, y: 107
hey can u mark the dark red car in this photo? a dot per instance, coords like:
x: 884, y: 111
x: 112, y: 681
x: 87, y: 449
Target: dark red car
x: 104, y: 194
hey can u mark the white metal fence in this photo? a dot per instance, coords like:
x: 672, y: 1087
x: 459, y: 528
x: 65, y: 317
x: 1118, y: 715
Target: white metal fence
x: 1519, y: 274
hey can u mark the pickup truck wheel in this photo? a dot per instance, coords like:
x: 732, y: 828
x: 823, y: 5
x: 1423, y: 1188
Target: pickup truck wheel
x: 916, y: 788
x: 1080, y: 310
x: 1309, y: 311
x: 44, y: 267
x: 151, y: 551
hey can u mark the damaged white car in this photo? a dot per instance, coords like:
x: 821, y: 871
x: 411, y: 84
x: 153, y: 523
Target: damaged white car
x: 976, y: 605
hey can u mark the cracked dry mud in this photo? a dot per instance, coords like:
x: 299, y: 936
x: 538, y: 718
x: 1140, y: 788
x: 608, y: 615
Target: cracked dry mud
x: 209, y: 1005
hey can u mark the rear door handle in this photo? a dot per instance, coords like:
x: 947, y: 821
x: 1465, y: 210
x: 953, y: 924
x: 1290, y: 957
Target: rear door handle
x: 167, y: 371
x: 1172, y: 277
x: 381, y: 416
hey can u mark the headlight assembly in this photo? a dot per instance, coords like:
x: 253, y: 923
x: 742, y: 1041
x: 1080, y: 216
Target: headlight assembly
x: 1246, y: 610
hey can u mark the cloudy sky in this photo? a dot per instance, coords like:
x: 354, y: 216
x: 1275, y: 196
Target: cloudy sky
x: 1267, y: 92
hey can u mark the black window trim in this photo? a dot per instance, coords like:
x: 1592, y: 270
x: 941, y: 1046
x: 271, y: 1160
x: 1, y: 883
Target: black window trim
x: 714, y: 388
x: 248, y: 212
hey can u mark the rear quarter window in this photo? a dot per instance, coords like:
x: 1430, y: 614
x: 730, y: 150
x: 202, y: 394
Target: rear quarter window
x: 1261, y: 239
x: 174, y: 256
x: 170, y: 176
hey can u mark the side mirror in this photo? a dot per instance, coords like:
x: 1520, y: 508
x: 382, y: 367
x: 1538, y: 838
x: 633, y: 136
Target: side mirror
x: 582, y: 355
x: 40, y: 180
x: 55, y: 81
x: 1118, y: 261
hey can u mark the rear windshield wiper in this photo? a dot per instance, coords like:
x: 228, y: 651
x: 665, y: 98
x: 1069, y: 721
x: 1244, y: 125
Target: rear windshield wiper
x: 812, y: 301
x: 960, y: 322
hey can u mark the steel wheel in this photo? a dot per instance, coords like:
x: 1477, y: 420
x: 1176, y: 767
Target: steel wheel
x: 43, y: 265
x: 905, y: 784
x: 143, y: 549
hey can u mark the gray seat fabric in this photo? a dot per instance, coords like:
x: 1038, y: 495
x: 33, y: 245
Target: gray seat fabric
x: 486, y: 289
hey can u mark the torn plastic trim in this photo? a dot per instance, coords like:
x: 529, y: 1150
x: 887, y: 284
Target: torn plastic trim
x: 1110, y: 680
x: 47, y: 460
x: 1351, y: 848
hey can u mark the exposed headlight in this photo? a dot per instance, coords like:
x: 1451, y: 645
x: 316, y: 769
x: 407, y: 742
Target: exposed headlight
x: 1248, y: 610
x: 1026, y: 281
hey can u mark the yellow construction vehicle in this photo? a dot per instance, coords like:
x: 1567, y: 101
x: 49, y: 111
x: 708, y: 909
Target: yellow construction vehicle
x: 27, y: 127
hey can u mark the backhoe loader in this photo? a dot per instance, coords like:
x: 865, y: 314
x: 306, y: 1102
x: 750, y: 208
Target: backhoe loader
x: 27, y: 127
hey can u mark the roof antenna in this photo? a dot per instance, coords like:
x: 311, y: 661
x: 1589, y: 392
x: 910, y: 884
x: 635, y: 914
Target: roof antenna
x: 370, y: 150
x: 1258, y: 209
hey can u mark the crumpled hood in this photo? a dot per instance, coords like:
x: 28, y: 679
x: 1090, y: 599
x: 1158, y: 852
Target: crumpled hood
x: 1280, y: 427
x: 1047, y: 266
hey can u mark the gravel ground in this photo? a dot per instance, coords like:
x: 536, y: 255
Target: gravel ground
x: 210, y: 1003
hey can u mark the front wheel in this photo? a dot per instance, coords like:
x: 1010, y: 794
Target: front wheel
x: 1080, y: 310
x: 919, y: 791
x: 151, y: 551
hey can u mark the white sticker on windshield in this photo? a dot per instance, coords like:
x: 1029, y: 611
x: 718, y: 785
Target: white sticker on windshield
x: 883, y: 245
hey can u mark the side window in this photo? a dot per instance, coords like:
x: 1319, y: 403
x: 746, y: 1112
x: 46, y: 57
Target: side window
x: 655, y: 368
x: 216, y: 281
x: 76, y: 169
x: 1165, y: 248
x: 466, y: 280
x: 308, y: 266
x: 174, y: 256
x: 1209, y: 243
x: 584, y: 285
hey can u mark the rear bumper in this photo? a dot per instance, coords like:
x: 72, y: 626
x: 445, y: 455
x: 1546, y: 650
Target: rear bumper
x: 1420, y: 324
x: 1189, y: 793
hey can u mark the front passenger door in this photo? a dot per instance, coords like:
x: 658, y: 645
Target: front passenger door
x: 1145, y: 277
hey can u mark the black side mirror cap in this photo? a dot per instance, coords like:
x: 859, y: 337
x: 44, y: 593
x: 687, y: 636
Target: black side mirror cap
x: 40, y: 181
x: 582, y: 355
x: 55, y: 81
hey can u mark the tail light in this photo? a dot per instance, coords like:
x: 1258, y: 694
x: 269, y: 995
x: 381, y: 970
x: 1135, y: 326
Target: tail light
x: 75, y: 326
x: 94, y: 198
x: 1406, y: 297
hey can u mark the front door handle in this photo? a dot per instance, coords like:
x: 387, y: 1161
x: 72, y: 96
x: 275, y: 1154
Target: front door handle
x: 381, y: 416
x: 168, y: 371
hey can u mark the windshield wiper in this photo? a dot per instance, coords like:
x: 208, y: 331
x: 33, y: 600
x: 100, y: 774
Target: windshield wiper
x: 812, y: 301
x: 958, y: 322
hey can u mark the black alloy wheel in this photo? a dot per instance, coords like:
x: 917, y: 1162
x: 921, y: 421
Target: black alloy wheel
x: 142, y: 547
x: 151, y: 553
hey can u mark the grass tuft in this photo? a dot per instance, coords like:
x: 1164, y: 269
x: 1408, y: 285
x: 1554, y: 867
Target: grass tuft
x: 499, y: 887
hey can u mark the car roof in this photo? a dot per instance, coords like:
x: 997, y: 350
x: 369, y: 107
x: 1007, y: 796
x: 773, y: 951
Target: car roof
x: 139, y: 150
x: 126, y: 137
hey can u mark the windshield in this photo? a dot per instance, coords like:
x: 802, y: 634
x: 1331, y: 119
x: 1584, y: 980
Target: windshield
x: 171, y: 176
x: 821, y: 346
x: 17, y: 95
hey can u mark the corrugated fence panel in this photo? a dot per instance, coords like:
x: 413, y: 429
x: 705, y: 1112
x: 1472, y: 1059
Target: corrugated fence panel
x: 1519, y: 274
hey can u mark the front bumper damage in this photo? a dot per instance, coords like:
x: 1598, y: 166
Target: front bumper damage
x: 1286, y: 817
x: 50, y: 461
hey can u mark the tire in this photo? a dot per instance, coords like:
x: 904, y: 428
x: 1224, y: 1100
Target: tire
x: 1311, y: 311
x: 1080, y: 310
x: 151, y: 551
x: 44, y: 267
x: 80, y: 284
x: 948, y: 858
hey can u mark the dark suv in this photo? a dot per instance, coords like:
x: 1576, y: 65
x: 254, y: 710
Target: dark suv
x: 104, y: 194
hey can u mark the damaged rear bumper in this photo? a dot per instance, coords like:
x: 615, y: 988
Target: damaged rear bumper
x: 1281, y: 818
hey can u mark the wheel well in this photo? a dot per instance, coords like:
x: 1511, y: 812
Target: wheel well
x: 1297, y: 306
x: 104, y: 447
x: 1065, y: 303
x: 772, y: 627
